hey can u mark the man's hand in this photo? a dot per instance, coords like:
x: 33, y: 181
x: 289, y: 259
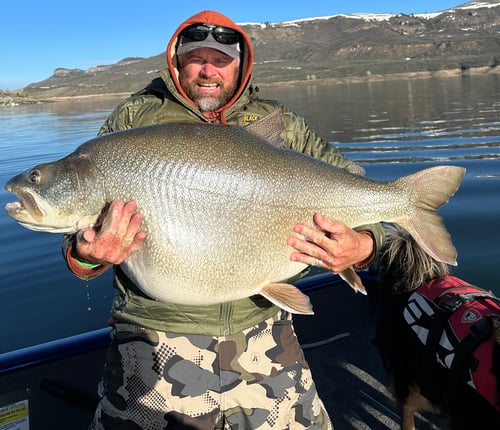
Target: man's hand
x: 334, y: 247
x: 114, y: 238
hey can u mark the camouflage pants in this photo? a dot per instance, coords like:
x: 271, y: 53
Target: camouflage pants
x: 255, y: 379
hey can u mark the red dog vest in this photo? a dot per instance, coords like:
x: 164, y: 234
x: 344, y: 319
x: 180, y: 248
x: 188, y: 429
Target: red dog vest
x: 449, y: 317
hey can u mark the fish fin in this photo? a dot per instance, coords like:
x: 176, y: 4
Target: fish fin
x: 288, y: 297
x: 432, y: 188
x: 269, y: 128
x: 353, y: 280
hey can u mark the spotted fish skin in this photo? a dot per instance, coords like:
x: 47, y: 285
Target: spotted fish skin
x: 219, y: 203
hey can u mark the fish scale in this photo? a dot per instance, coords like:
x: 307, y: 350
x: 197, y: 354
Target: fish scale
x: 219, y: 203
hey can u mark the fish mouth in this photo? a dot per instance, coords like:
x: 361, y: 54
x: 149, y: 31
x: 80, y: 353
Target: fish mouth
x: 27, y: 207
x: 15, y: 207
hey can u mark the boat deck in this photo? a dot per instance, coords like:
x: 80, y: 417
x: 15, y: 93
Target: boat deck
x: 337, y: 342
x: 346, y: 365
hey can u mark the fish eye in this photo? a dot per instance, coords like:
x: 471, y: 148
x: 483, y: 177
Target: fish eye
x: 34, y: 176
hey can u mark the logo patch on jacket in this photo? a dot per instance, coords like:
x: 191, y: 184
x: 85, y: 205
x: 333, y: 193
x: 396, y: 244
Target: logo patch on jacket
x: 449, y: 317
x: 249, y: 118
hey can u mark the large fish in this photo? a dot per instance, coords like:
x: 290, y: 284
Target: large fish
x: 219, y: 203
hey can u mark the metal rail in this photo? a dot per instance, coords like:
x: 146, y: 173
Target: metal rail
x: 97, y: 339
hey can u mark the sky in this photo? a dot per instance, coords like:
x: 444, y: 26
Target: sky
x: 37, y: 37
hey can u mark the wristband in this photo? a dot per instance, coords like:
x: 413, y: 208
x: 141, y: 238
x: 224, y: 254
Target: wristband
x: 86, y: 265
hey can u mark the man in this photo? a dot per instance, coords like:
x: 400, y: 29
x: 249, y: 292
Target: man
x: 234, y: 365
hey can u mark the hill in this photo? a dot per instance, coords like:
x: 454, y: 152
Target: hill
x: 324, y: 48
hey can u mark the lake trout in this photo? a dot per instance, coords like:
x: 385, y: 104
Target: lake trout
x: 219, y: 203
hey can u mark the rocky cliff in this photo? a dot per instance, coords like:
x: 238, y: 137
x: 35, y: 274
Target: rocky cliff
x: 335, y: 47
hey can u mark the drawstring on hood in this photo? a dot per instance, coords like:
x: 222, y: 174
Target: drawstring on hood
x: 246, y: 63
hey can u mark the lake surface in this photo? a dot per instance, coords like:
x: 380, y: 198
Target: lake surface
x: 391, y: 128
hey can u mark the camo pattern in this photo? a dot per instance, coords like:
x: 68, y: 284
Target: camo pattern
x: 257, y: 379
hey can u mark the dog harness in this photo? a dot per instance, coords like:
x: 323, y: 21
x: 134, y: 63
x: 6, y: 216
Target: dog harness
x: 449, y: 317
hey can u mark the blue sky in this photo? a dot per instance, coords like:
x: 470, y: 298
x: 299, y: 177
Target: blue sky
x: 38, y: 36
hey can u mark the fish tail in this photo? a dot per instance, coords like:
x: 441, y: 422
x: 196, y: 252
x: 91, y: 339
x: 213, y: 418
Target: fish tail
x: 432, y: 188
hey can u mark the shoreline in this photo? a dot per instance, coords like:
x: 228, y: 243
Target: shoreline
x: 12, y: 98
x: 445, y: 73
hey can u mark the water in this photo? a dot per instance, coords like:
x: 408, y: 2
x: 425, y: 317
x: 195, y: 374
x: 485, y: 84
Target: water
x: 391, y: 128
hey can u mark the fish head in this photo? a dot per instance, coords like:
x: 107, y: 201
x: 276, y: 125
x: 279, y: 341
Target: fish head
x: 58, y: 197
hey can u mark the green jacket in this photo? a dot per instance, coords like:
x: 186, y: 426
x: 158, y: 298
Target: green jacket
x: 163, y: 101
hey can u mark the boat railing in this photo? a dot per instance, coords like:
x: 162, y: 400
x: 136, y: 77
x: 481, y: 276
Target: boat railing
x: 97, y: 339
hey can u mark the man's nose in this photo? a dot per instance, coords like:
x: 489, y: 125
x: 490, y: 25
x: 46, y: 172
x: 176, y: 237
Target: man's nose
x: 208, y: 70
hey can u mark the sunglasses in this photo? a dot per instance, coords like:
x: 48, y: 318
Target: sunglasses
x: 199, y: 32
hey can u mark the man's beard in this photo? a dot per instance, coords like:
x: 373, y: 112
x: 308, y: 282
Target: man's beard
x: 208, y: 103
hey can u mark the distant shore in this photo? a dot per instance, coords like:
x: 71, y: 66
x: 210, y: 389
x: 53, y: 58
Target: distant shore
x: 12, y: 98
x: 484, y: 70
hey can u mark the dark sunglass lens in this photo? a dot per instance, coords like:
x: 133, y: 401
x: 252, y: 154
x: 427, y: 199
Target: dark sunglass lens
x: 196, y: 35
x: 225, y: 36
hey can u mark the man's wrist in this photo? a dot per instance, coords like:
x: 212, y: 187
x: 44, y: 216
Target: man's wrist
x: 367, y: 261
x: 81, y: 269
x: 82, y: 263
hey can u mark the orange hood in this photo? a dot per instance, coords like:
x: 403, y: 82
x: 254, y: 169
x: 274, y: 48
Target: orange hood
x: 213, y: 18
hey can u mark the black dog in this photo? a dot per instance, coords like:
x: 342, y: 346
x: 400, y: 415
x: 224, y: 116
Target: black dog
x: 432, y: 364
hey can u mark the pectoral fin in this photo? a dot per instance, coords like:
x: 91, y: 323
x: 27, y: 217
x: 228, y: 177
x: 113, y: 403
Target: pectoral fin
x: 354, y: 281
x: 288, y: 297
